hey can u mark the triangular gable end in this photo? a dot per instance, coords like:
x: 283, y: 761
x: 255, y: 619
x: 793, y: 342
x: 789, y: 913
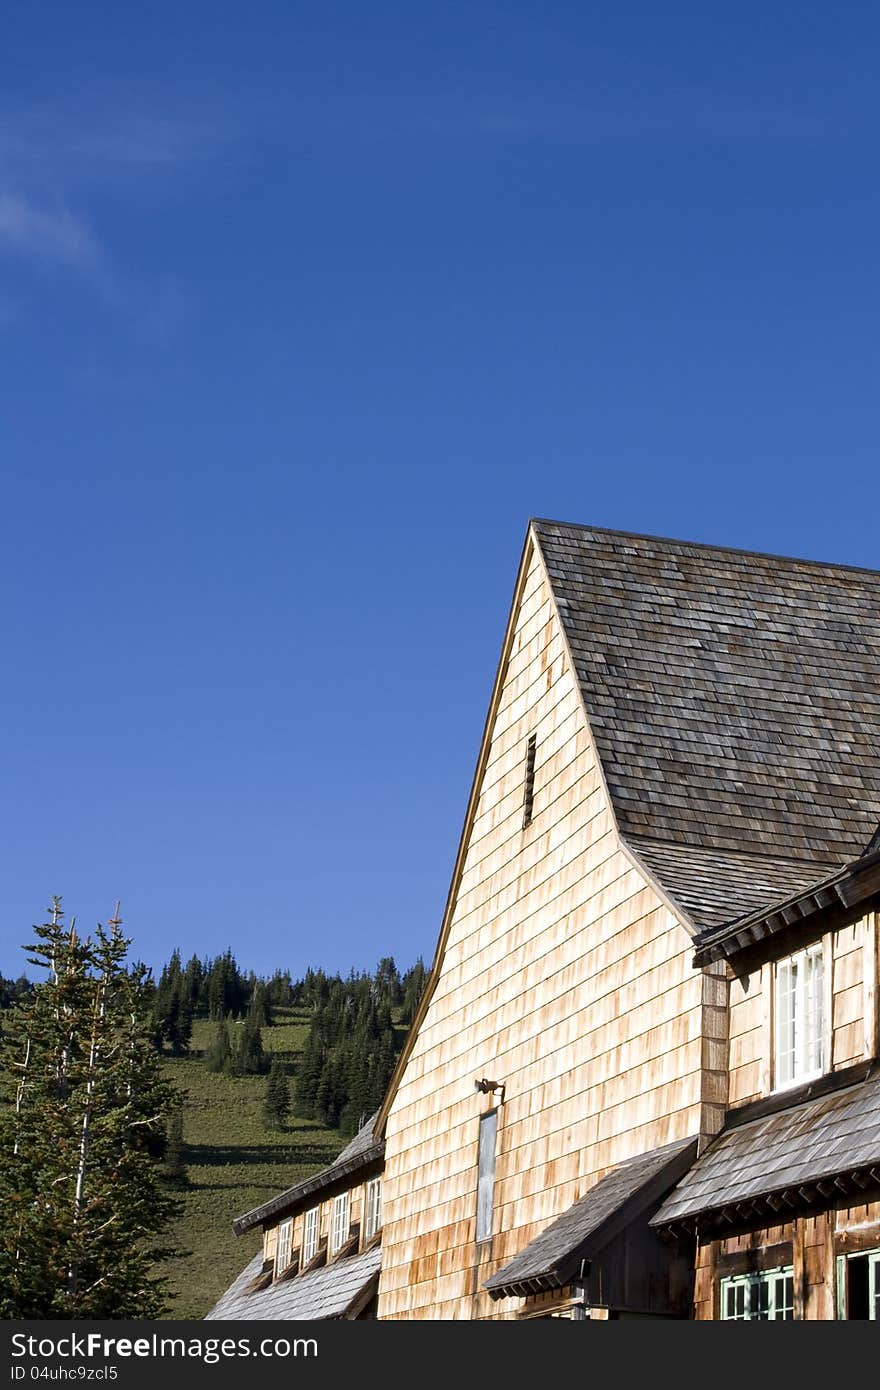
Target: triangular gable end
x: 534, y: 623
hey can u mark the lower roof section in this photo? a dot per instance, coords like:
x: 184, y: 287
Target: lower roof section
x: 849, y: 887
x: 362, y: 1153
x: 555, y: 1256
x: 718, y: 886
x: 814, y: 1151
x: 337, y: 1290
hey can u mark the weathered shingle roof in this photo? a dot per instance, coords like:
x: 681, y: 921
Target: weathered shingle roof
x: 818, y: 1140
x: 361, y: 1144
x: 362, y: 1152
x: 553, y: 1258
x: 855, y: 884
x: 334, y: 1291
x: 735, y: 705
x: 691, y: 875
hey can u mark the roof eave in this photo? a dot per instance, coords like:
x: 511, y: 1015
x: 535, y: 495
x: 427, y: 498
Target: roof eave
x: 778, y: 1203
x: 838, y: 893
x: 564, y: 1270
x: 328, y: 1178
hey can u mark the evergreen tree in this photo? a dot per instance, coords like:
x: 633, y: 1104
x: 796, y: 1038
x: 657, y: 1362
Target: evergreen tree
x: 193, y: 979
x: 227, y: 991
x: 173, y: 1008
x: 260, y: 1005
x: 219, y: 1054
x: 388, y: 986
x: 81, y: 1193
x: 248, y: 1057
x: 276, y: 1103
x: 309, y: 1074
x: 174, y: 1162
x: 172, y: 1016
x: 13, y: 990
x: 329, y: 1099
x: 280, y: 989
x: 413, y: 987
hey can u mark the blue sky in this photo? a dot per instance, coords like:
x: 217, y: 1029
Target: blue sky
x: 304, y: 309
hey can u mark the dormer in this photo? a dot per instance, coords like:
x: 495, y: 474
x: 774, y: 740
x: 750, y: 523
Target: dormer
x: 803, y: 984
x: 321, y: 1243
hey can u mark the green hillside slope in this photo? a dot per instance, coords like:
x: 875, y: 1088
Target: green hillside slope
x: 233, y: 1161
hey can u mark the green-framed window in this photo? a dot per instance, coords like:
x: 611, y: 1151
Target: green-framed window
x: 858, y: 1286
x: 767, y: 1296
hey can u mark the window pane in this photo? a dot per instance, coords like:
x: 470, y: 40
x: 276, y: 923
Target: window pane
x: 874, y: 1286
x: 785, y: 1298
x: 373, y: 1218
x: 310, y: 1235
x: 812, y: 1059
x: 760, y: 1300
x: 798, y: 1017
x: 784, y: 1023
x: 758, y: 1297
x: 733, y: 1299
x: 486, y: 1173
x: 282, y: 1253
x: 340, y: 1220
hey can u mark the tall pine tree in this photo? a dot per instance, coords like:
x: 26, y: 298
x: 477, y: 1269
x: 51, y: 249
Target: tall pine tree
x: 276, y: 1102
x: 82, y: 1194
x: 247, y: 1053
x: 219, y: 1054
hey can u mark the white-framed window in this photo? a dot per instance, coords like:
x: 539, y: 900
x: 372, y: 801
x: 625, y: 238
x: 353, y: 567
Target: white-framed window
x: 858, y: 1286
x: 486, y: 1173
x: 282, y: 1249
x: 764, y: 1297
x: 372, y: 1208
x: 310, y: 1236
x: 341, y: 1221
x: 797, y: 1014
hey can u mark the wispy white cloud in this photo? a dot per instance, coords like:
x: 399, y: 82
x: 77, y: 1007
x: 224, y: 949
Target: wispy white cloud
x: 63, y: 160
x: 108, y: 131
x: 49, y: 233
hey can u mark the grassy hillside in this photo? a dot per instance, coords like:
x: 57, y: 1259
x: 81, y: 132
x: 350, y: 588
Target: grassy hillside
x: 233, y: 1161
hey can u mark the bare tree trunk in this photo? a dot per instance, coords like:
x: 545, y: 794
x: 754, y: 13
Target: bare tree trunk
x: 79, y: 1190
x: 20, y: 1090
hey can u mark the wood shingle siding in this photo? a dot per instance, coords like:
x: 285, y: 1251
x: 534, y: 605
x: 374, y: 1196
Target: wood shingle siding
x: 659, y: 948
x: 564, y: 975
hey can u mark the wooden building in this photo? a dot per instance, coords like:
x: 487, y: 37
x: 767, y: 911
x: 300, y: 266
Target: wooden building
x: 321, y: 1246
x: 642, y: 1080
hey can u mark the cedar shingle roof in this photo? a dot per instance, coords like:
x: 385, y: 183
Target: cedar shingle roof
x: 816, y: 1141
x: 691, y: 875
x: 735, y: 705
x: 554, y: 1257
x: 337, y: 1290
x: 832, y: 894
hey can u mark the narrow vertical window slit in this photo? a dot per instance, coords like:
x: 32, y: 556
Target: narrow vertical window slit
x: 529, y: 787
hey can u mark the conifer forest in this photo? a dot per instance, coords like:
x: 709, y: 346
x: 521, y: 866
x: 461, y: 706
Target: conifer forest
x: 142, y: 1111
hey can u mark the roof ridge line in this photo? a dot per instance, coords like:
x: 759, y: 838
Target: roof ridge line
x: 704, y: 545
